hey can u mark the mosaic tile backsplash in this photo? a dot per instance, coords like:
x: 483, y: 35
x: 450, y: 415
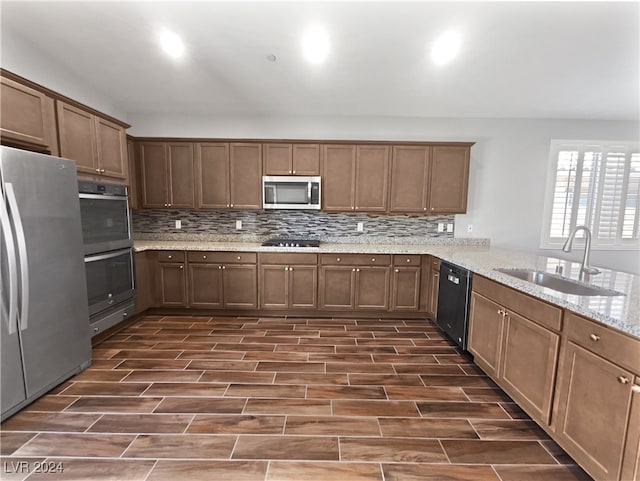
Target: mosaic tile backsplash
x: 287, y: 223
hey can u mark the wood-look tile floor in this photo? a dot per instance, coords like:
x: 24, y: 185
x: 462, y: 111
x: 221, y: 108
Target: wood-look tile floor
x: 200, y: 398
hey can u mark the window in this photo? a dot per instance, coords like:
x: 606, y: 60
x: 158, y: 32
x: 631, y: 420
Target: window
x: 596, y: 184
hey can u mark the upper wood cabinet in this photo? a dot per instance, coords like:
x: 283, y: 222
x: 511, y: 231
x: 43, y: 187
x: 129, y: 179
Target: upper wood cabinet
x: 409, y: 179
x: 291, y: 159
x: 212, y: 175
x: 245, y: 176
x: 98, y: 145
x: 449, y: 179
x: 27, y: 118
x: 355, y: 177
x: 167, y: 175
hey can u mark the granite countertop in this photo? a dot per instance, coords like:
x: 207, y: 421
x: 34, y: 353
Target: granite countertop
x: 619, y: 312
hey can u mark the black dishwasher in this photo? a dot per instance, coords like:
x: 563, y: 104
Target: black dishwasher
x: 454, y: 298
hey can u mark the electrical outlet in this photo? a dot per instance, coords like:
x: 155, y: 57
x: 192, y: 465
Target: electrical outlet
x: 440, y: 227
x: 470, y: 228
x: 449, y: 227
x: 238, y: 225
x: 178, y: 224
x: 360, y: 227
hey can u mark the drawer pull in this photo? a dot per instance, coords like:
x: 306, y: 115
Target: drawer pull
x: 594, y: 337
x: 169, y: 257
x: 408, y: 260
x: 373, y: 259
x: 238, y: 257
x: 623, y: 380
x: 204, y: 257
x: 338, y: 259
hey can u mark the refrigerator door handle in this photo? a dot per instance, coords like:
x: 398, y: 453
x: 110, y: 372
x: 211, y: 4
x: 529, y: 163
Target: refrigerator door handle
x: 13, y: 268
x: 22, y: 253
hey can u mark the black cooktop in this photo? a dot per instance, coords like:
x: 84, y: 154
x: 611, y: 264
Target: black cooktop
x: 279, y: 242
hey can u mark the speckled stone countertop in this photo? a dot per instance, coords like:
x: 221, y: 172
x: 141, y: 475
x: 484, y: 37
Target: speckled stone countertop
x: 619, y: 312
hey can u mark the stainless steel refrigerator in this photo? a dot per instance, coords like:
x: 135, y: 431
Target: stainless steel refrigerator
x: 45, y: 336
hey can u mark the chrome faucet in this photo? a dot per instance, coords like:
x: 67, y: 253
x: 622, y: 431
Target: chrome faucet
x: 585, y: 268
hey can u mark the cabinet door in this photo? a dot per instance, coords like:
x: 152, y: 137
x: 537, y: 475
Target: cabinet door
x: 245, y: 176
x: 303, y: 287
x: 181, y: 188
x: 240, y: 285
x: 205, y: 281
x: 111, y: 144
x: 277, y: 159
x: 434, y: 288
x: 173, y: 284
x: 78, y: 137
x: 132, y: 162
x: 530, y: 359
x: 273, y: 286
x: 405, y: 290
x: 212, y: 176
x: 372, y: 288
x: 27, y: 117
x: 306, y: 159
x: 631, y: 458
x: 593, y: 411
x: 338, y: 171
x: 337, y: 287
x: 486, y: 323
x: 409, y: 179
x: 372, y: 177
x: 153, y: 175
x: 143, y: 282
x: 449, y: 180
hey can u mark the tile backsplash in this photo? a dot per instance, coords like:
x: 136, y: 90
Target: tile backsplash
x: 263, y: 224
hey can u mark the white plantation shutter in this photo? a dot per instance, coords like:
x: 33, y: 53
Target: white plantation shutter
x: 597, y: 185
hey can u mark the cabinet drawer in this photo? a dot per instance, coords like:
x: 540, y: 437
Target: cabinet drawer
x: 406, y: 260
x: 613, y: 346
x: 534, y: 309
x: 222, y: 257
x: 356, y: 259
x: 294, y: 258
x: 170, y: 256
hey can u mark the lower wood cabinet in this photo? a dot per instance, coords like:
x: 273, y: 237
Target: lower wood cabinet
x: 354, y: 281
x: 597, y: 401
x: 405, y: 283
x: 288, y: 281
x: 511, y: 341
x: 171, y: 286
x: 223, y: 280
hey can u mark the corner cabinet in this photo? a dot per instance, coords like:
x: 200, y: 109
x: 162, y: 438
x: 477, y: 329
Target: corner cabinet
x: 449, y: 179
x: 98, y: 145
x: 597, y: 402
x: 27, y: 118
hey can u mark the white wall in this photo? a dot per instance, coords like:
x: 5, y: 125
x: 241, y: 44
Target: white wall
x: 508, y: 162
x: 21, y: 57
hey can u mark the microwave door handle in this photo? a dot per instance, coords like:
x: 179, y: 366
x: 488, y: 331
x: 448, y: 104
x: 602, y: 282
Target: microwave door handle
x: 110, y: 255
x: 22, y: 254
x: 309, y: 192
x: 13, y: 268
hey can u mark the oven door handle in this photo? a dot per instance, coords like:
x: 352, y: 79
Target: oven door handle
x: 103, y: 197
x: 110, y: 255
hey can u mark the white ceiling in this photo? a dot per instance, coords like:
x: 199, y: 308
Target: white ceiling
x: 577, y: 60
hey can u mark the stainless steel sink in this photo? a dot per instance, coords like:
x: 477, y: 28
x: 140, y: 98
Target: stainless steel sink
x: 558, y: 283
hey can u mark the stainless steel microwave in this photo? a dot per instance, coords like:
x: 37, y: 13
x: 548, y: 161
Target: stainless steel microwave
x: 290, y: 192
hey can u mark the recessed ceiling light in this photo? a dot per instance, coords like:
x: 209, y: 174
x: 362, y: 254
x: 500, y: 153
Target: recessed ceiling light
x: 315, y: 45
x: 446, y: 47
x: 171, y: 44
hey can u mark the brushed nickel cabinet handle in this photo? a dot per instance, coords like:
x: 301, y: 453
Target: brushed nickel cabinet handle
x: 408, y: 260
x: 98, y: 171
x: 594, y: 337
x: 169, y: 257
x: 357, y: 270
x: 102, y: 170
x: 294, y: 171
x: 231, y: 205
x: 224, y: 267
x: 373, y: 259
x: 397, y: 270
x: 181, y: 267
x: 353, y: 270
x: 635, y: 388
x: 290, y: 269
x: 338, y: 259
x: 623, y: 380
x: 424, y: 208
x: 238, y: 257
x: 204, y: 257
x: 219, y: 267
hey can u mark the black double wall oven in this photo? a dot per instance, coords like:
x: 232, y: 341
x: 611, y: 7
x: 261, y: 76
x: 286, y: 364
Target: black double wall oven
x: 108, y: 253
